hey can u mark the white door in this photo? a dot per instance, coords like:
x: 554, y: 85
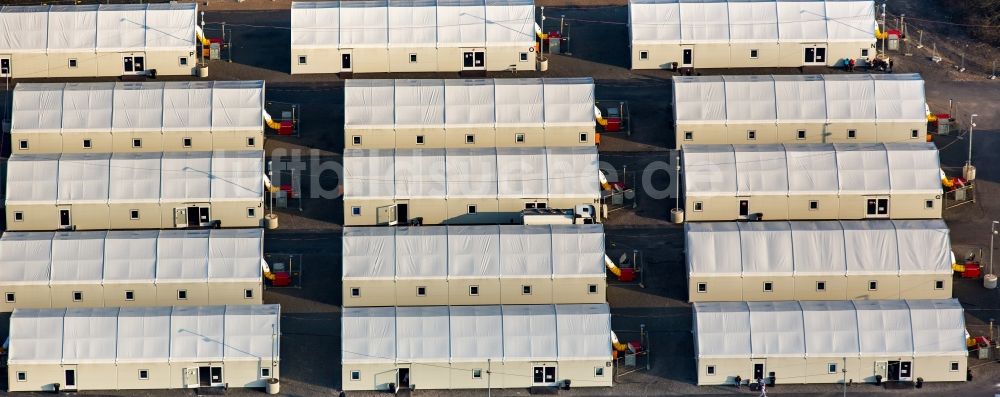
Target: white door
x: 133, y: 64
x: 65, y: 219
x: 4, y: 66
x: 814, y: 56
x: 473, y: 59
x: 543, y: 375
x: 346, y: 61
x: 687, y: 57
x: 877, y: 207
x: 180, y: 217
x: 190, y: 377
x: 69, y: 382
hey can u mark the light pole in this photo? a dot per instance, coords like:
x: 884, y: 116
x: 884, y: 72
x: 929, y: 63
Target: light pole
x: 993, y: 232
x: 969, y: 172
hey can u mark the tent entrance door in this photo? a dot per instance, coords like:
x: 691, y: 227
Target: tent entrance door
x: 346, y: 61
x: 473, y: 59
x: 758, y: 371
x: 65, y: 219
x: 877, y: 207
x: 900, y: 370
x: 403, y: 378
x: 744, y: 209
x: 70, y: 378
x: 687, y: 57
x: 815, y: 56
x: 191, y: 377
x: 133, y: 64
x: 543, y: 375
x: 209, y: 376
x: 4, y: 66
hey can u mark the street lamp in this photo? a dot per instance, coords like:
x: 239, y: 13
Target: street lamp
x: 969, y: 172
x: 993, y: 232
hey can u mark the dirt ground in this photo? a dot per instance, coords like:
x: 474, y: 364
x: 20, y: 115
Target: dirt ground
x: 311, y: 322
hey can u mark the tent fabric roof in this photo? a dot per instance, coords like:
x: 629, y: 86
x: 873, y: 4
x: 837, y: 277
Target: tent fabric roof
x: 138, y: 107
x: 440, y: 173
x: 705, y: 21
x: 468, y: 103
x: 412, y: 23
x: 135, y: 177
x: 445, y: 252
x: 219, y: 255
x: 136, y: 335
x: 476, y: 333
x: 101, y: 28
x: 828, y: 98
x: 879, y: 247
x: 793, y: 169
x: 910, y: 328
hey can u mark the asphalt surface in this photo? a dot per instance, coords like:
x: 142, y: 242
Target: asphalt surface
x: 310, y: 340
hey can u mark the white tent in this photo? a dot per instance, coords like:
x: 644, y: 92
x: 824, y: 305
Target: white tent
x: 139, y: 174
x: 144, y: 334
x: 138, y: 107
x: 864, y: 168
x: 90, y: 335
x: 700, y: 99
x: 84, y: 178
x: 25, y: 258
x: 750, y: 99
x: 865, y: 328
x: 103, y: 28
x: 475, y: 333
x: 182, y: 256
x: 877, y: 247
x: 469, y: 103
x: 130, y: 257
x: 439, y: 252
x: 418, y: 103
x: 812, y: 169
x: 412, y: 23
x: 33, y: 179
x: 421, y: 173
x: 520, y: 102
x: 78, y: 257
x: 709, y: 170
x: 761, y: 169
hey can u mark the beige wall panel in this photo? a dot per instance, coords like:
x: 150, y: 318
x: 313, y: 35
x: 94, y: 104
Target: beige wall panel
x: 436, y: 292
x: 42, y: 142
x: 718, y: 289
x: 399, y: 59
x: 577, y: 290
x: 489, y: 291
x: 36, y: 296
x: 511, y: 292
x: 100, y: 142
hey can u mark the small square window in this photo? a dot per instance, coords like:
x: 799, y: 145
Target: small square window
x: 583, y: 137
x: 420, y: 139
x: 22, y: 376
x: 251, y: 141
x: 72, y: 63
x: 929, y: 204
x: 813, y: 205
x: 470, y: 138
x: 9, y: 297
x: 251, y: 212
x: 22, y: 144
x: 710, y: 370
x: 599, y: 371
x: 754, y: 54
x: 541, y: 206
x: 355, y: 211
x: 186, y: 142
x: 702, y: 288
x: 88, y: 144
x: 473, y: 290
x: 355, y: 292
x: 643, y: 55
x: 421, y: 291
x: 851, y: 134
x: 182, y: 294
x: 525, y: 290
x: 183, y: 61
x: 914, y: 134
x: 18, y: 216
x: 477, y: 373
x: 688, y: 135
x: 472, y: 209
x: 831, y: 368
x: 413, y: 58
x: 768, y: 286
x: 864, y: 52
x: 518, y: 138
x: 592, y: 288
x: 938, y: 284
x: 698, y: 206
x: 302, y: 60
x: 77, y: 296
x: 953, y: 366
x: 821, y: 286
x: 355, y: 375
x: 248, y: 294
x: 524, y: 57
x: 133, y: 214
x: 751, y: 135
x: 143, y: 374
x: 873, y: 285
x: 800, y: 134
x: 130, y: 295
x: 137, y: 143
x: 265, y: 372
x: 356, y: 140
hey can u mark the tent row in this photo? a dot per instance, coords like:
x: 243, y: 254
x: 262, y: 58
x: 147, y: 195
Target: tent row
x: 465, y: 186
x: 749, y: 33
x: 131, y: 268
x: 143, y: 347
x: 812, y: 181
x: 457, y: 113
x: 830, y: 341
x: 831, y: 108
x: 137, y: 117
x: 473, y: 265
x: 134, y: 190
x: 97, y: 40
x: 472, y: 347
x: 824, y: 260
x: 378, y: 36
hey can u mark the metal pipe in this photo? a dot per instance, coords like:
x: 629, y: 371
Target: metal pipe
x: 972, y: 124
